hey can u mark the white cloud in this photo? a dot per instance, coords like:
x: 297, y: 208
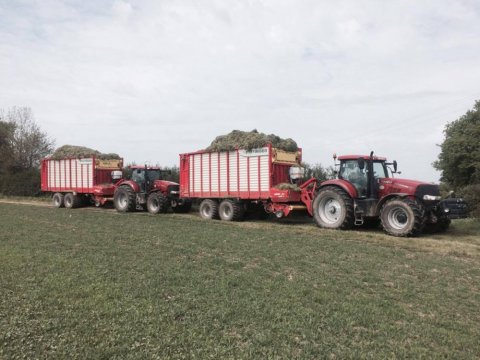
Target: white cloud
x: 151, y: 79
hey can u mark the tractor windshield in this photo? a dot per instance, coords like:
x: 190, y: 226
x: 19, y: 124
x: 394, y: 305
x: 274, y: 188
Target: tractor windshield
x: 153, y: 174
x: 138, y: 175
x: 350, y: 171
x: 379, y: 170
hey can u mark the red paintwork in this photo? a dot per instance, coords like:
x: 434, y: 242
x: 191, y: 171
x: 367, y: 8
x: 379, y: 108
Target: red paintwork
x: 207, y: 192
x: 131, y: 183
x: 345, y: 185
x: 162, y: 185
x: 400, y: 186
x: 104, y: 190
x: 282, y: 196
x: 65, y: 183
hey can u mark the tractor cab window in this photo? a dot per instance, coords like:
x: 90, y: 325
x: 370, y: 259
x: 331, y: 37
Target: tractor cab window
x: 138, y: 175
x: 379, y: 170
x: 351, y: 172
x: 153, y: 175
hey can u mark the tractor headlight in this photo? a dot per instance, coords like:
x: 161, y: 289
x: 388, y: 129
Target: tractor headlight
x: 431, y: 197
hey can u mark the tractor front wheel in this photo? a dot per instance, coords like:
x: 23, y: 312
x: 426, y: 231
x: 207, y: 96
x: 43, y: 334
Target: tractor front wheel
x: 402, y: 217
x: 333, y: 209
x: 124, y: 199
x: 208, y: 209
x: 230, y: 210
x: 157, y: 203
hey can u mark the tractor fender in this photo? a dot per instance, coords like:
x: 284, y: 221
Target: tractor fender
x: 342, y: 184
x: 386, y: 198
x: 129, y: 183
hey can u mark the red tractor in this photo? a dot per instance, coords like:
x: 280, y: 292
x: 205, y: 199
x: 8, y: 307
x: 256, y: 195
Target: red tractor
x: 146, y: 189
x: 365, y: 189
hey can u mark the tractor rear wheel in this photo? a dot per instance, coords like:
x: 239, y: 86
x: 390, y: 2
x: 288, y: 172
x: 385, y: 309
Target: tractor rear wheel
x: 402, y: 217
x: 57, y: 200
x: 71, y: 201
x: 333, y: 209
x: 230, y: 210
x: 124, y: 199
x: 208, y: 209
x: 157, y: 203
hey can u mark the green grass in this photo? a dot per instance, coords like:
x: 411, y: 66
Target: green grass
x: 98, y: 284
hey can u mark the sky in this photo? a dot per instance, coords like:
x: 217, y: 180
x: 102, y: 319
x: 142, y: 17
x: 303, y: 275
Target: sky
x: 150, y: 79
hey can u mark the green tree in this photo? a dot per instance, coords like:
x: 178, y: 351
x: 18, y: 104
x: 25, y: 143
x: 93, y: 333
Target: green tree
x: 6, y: 145
x: 22, y: 146
x: 459, y: 159
x: 30, y: 144
x: 318, y: 171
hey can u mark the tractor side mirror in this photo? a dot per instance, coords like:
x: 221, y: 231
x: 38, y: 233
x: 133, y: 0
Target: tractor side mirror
x: 395, y: 165
x: 361, y: 163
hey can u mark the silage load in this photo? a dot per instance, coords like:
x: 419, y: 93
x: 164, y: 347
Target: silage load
x: 248, y: 140
x: 72, y: 151
x: 287, y: 186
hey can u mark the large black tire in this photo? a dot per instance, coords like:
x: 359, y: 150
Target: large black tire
x: 333, y: 209
x: 182, y: 209
x: 124, y: 199
x: 230, y: 210
x: 208, y: 209
x: 402, y: 217
x: 72, y: 201
x: 157, y: 203
x: 57, y: 200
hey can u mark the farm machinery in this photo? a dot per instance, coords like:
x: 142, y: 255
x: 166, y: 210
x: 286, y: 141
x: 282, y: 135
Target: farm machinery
x: 366, y: 189
x: 146, y: 189
x: 229, y: 185
x: 77, y: 181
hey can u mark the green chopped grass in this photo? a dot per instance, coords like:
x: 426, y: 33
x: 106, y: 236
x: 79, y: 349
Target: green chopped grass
x: 98, y: 284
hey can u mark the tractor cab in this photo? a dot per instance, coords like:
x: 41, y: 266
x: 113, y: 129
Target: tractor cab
x: 365, y: 173
x: 145, y: 177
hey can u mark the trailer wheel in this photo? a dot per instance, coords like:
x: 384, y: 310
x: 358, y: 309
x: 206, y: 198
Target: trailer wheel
x: 124, y: 199
x: 333, y: 209
x: 230, y: 210
x: 157, y: 203
x: 182, y: 209
x: 208, y: 209
x: 57, y: 200
x: 71, y: 201
x: 402, y: 217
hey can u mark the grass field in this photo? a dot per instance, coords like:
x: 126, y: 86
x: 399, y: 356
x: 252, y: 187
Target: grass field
x: 93, y: 284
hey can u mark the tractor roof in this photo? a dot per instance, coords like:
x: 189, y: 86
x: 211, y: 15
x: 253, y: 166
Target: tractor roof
x: 355, y: 157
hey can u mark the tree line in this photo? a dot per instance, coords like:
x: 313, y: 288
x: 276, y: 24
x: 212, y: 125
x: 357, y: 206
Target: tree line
x: 23, y: 144
x: 459, y: 159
